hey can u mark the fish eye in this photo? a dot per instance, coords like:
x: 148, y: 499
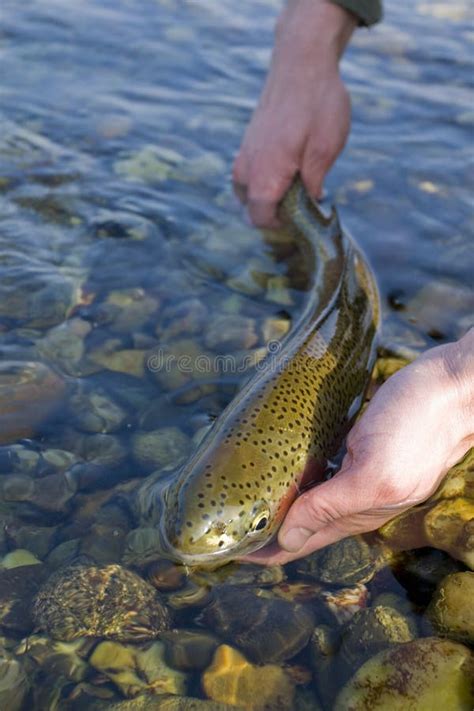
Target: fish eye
x: 260, y: 522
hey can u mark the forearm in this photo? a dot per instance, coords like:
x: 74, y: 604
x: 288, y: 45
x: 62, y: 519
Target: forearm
x: 309, y: 27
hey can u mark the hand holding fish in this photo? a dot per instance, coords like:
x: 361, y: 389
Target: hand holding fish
x: 303, y: 117
x: 418, y: 425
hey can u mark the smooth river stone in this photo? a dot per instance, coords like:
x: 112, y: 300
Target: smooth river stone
x: 425, y: 674
x: 29, y: 392
x: 231, y: 679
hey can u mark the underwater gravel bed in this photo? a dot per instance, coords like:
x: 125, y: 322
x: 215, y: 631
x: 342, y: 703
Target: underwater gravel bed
x: 121, y: 247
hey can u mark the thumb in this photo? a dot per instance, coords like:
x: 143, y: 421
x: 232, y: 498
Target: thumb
x: 321, y: 508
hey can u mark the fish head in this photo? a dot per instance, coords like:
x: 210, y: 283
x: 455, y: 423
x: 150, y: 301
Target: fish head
x: 212, y: 515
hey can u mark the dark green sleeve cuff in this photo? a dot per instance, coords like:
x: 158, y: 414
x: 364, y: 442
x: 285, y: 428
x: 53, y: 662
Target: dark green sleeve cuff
x: 367, y: 11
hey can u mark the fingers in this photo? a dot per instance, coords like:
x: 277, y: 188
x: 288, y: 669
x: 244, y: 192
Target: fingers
x: 265, y: 191
x: 321, y: 510
x: 261, y: 182
x: 270, y: 555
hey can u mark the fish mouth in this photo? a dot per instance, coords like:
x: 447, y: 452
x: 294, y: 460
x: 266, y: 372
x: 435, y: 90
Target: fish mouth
x: 195, y: 559
x: 215, y: 558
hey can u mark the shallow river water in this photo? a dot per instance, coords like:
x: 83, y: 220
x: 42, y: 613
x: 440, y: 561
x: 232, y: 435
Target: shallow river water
x: 121, y: 243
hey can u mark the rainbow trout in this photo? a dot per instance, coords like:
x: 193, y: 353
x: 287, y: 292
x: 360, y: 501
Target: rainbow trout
x: 290, y: 417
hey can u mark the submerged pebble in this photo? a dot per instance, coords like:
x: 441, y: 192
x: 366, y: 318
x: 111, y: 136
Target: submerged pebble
x: 165, y: 575
x: 92, y: 410
x: 267, y: 629
x: 29, y: 393
x: 110, y: 356
x: 39, y: 539
x: 149, y: 702
x: 134, y: 669
x: 448, y: 525
x: 19, y: 557
x: 372, y: 630
x: 18, y: 587
x: 14, y: 683
x: 230, y: 332
x: 43, y: 655
x: 65, y: 346
x: 231, y: 679
x: 142, y: 546
x: 451, y: 610
x: 167, y: 447
x: 189, y: 650
x: 182, y: 364
x: 34, y: 499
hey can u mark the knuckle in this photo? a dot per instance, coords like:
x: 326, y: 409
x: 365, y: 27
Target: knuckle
x: 319, y: 509
x: 390, y: 491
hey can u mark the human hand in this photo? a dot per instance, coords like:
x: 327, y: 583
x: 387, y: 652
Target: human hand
x: 417, y: 426
x: 302, y: 120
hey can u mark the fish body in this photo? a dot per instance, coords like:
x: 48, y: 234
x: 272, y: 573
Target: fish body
x: 278, y: 433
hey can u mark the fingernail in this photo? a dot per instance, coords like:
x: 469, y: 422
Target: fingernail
x: 295, y: 539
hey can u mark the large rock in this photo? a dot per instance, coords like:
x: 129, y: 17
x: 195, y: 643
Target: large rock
x: 92, y: 601
x: 422, y: 675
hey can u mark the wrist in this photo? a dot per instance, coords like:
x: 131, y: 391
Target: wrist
x: 315, y: 27
x: 459, y: 364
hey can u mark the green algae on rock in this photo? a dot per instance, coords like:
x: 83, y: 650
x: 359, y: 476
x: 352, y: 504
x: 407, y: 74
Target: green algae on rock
x: 451, y: 610
x: 444, y: 521
x: 422, y: 675
x: 349, y: 561
x: 448, y: 525
x: 91, y: 601
x: 372, y: 630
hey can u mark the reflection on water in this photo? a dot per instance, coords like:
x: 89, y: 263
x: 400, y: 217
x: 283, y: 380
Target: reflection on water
x: 119, y: 238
